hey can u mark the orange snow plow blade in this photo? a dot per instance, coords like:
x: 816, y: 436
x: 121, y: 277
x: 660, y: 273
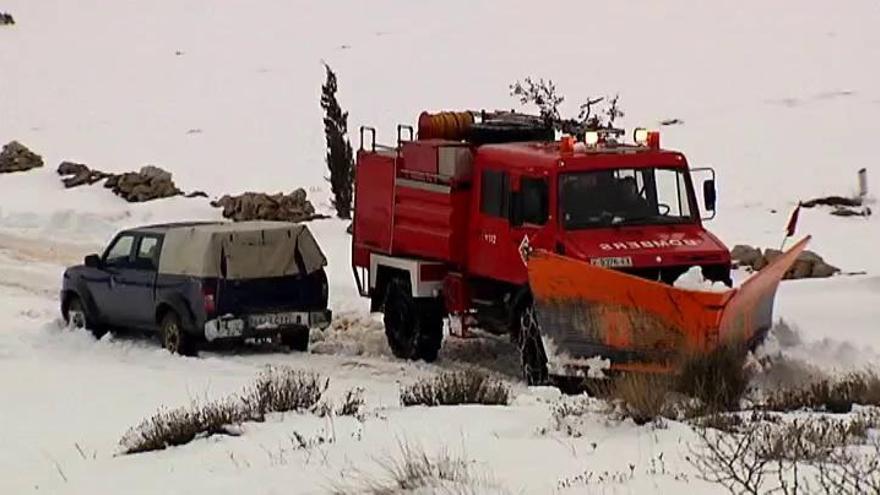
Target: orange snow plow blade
x: 587, y: 312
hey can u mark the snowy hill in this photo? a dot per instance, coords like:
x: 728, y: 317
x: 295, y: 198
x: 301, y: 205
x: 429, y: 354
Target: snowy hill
x: 781, y: 98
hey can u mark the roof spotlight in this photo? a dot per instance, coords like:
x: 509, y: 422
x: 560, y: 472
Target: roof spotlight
x: 591, y: 138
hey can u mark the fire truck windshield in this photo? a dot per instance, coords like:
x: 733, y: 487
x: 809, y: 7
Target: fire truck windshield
x: 639, y: 196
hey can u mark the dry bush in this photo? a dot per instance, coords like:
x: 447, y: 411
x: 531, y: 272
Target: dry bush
x: 352, y: 403
x: 719, y: 421
x: 849, y: 473
x: 569, y: 415
x: 281, y: 389
x: 414, y: 471
x: 179, y: 426
x: 644, y: 397
x: 718, y: 379
x: 831, y: 395
x: 454, y: 388
x: 274, y: 390
x: 814, y: 454
x: 706, y: 383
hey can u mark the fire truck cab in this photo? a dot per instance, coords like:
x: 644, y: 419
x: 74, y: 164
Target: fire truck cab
x: 442, y: 223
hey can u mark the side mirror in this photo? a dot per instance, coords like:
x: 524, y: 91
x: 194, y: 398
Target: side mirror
x: 92, y: 261
x: 709, y: 195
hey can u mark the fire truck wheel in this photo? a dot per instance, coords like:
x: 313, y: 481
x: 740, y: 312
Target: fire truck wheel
x: 414, y: 328
x: 534, y: 358
x: 430, y: 338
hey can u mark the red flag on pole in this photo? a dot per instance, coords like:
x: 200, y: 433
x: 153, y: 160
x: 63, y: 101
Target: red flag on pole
x: 792, y: 221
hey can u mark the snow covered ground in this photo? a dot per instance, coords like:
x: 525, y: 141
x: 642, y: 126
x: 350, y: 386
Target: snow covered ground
x: 781, y: 98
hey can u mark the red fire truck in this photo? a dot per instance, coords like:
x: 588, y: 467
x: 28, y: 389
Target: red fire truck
x: 444, y: 223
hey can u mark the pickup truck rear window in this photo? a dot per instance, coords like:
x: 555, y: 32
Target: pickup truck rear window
x: 147, y: 257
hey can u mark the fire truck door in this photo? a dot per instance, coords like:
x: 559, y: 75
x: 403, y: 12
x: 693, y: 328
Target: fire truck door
x: 490, y: 240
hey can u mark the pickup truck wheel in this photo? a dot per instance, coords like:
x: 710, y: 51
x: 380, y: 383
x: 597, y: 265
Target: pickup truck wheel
x: 77, y: 317
x: 414, y: 328
x: 174, y: 338
x: 534, y: 358
x: 296, y: 339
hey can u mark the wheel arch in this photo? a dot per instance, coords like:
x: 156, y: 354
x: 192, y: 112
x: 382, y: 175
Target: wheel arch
x: 425, y: 276
x: 71, y: 293
x: 179, y: 307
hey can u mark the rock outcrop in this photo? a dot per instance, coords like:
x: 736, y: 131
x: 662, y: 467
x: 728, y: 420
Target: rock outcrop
x: 78, y: 174
x: 841, y: 206
x: 293, y: 207
x: 149, y: 183
x: 808, y: 264
x: 16, y: 157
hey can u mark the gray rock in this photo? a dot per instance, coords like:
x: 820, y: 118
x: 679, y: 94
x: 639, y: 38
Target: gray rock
x: 150, y: 183
x: 808, y: 263
x: 824, y: 270
x: 155, y: 173
x: 800, y: 269
x: 294, y: 207
x: 16, y: 157
x: 746, y: 255
x: 78, y: 174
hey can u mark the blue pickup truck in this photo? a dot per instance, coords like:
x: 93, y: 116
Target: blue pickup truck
x: 203, y: 282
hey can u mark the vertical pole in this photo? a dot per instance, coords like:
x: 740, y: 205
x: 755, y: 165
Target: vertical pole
x: 863, y: 184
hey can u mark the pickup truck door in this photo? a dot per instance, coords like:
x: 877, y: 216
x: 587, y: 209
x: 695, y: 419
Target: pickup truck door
x: 135, y: 284
x: 103, y: 284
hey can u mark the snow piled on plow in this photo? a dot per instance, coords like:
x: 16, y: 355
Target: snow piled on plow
x: 693, y: 280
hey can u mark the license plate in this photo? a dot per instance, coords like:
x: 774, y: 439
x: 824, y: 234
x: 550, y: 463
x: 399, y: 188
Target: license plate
x: 612, y: 262
x: 277, y: 320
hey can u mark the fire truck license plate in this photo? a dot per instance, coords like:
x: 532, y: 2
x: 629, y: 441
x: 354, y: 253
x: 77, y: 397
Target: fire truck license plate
x: 612, y: 262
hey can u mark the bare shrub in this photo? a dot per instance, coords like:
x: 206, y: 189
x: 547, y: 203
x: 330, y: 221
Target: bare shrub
x: 569, y: 414
x: 454, y: 388
x: 720, y: 421
x: 644, y: 397
x: 831, y: 395
x: 281, y: 389
x: 274, y: 390
x: 788, y: 456
x: 179, y: 426
x: 847, y: 472
x: 718, y: 379
x: 352, y: 403
x: 414, y: 471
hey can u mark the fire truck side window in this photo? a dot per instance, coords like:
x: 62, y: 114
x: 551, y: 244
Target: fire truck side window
x: 534, y: 201
x: 494, y: 189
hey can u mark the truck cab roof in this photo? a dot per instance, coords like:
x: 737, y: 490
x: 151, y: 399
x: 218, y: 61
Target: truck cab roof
x: 550, y: 155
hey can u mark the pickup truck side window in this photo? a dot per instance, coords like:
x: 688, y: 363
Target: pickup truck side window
x: 147, y: 255
x: 119, y: 254
x: 494, y: 189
